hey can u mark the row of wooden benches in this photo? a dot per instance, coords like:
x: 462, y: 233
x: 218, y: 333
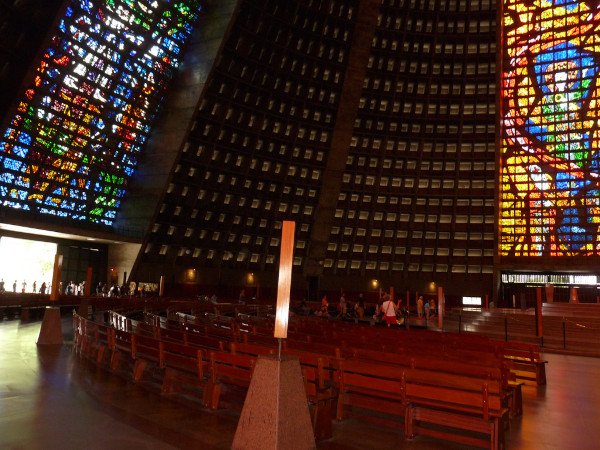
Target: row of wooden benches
x: 191, y: 364
x: 421, y: 355
x: 475, y: 402
x: 387, y: 353
x: 390, y: 358
x: 514, y: 351
x: 524, y: 360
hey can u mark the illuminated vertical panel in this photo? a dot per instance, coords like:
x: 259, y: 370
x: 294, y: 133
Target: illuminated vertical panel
x: 286, y: 262
x: 75, y: 139
x: 550, y: 166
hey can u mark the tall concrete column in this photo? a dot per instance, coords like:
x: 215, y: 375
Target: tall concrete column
x: 341, y: 138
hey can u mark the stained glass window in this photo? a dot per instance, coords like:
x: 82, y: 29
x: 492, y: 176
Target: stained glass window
x: 75, y: 139
x: 550, y: 165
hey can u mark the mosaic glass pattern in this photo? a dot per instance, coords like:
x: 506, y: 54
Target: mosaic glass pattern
x: 550, y: 165
x: 76, y: 137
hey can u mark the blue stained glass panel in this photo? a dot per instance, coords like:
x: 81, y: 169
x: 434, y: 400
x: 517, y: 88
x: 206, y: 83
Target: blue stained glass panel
x: 130, y: 47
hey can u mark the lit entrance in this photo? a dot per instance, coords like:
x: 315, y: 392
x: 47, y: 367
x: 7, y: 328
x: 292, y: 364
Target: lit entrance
x: 26, y: 262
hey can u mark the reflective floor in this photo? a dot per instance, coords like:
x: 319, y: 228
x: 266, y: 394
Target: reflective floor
x: 50, y: 399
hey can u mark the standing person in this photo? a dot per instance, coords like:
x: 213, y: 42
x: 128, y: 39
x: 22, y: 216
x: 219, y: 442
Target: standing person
x: 15, y: 286
x: 360, y: 308
x: 2, y: 286
x: 43, y: 288
x: 420, y: 307
x: 427, y: 310
x: 23, y: 286
x: 389, y: 311
x: 343, y: 305
x: 378, y: 311
x: 403, y: 313
x: 34, y: 287
x: 432, y: 308
x: 242, y: 298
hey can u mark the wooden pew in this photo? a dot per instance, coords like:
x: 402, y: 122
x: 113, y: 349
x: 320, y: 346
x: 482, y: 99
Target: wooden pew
x: 232, y: 371
x: 186, y: 370
x: 528, y: 365
x: 455, y: 355
x: 144, y: 350
x: 184, y: 367
x: 372, y: 392
x: 460, y: 409
x: 119, y: 342
x: 366, y: 388
x: 321, y: 397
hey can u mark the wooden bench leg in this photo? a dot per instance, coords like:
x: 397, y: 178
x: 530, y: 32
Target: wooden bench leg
x: 114, y: 360
x: 167, y: 384
x: 215, y: 395
x: 170, y: 382
x: 408, y: 422
x: 497, y: 435
x: 321, y: 420
x: 540, y: 374
x: 517, y: 400
x: 81, y: 344
x: 138, y: 369
x: 100, y: 355
x: 340, y: 408
x: 207, y: 394
x: 494, y: 435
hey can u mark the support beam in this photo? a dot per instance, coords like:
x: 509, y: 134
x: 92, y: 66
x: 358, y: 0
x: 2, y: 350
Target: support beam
x: 55, y: 292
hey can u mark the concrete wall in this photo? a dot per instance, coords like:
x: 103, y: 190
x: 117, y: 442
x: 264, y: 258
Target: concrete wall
x: 121, y: 258
x: 151, y: 178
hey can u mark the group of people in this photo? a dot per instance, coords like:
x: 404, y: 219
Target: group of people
x: 426, y: 308
x: 70, y: 288
x: 343, y: 311
x: 44, y: 288
x: 395, y: 313
x: 206, y: 299
x: 386, y: 309
x: 102, y: 290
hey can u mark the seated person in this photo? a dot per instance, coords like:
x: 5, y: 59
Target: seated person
x: 324, y: 310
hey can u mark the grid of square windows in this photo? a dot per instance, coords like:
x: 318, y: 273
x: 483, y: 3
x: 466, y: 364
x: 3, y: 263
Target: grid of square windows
x: 418, y: 189
x: 258, y: 148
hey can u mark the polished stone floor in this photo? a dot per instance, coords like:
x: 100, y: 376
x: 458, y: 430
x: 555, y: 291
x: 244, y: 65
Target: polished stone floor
x: 50, y: 399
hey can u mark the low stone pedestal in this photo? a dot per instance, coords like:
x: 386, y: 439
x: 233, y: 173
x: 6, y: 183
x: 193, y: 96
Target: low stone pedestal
x: 275, y: 413
x: 51, y: 330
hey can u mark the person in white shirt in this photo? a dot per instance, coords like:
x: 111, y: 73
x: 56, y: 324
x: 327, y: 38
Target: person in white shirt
x: 389, y: 311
